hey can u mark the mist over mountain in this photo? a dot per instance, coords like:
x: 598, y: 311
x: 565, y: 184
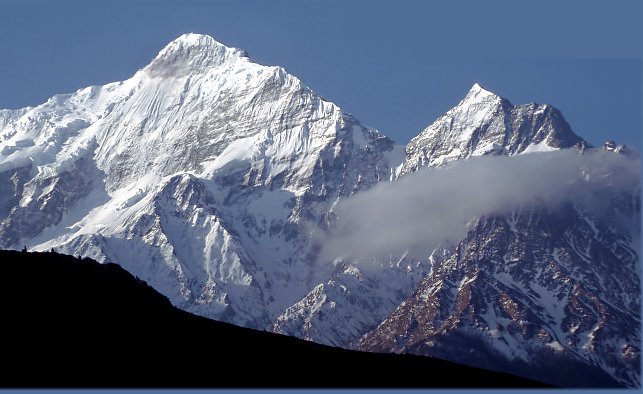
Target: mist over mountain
x: 496, y: 237
x: 420, y: 211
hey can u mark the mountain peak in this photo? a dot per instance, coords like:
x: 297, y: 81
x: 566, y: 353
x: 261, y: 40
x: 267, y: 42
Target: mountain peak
x: 478, y: 93
x: 192, y: 53
x: 192, y: 41
x: 484, y: 123
x: 478, y: 88
x: 611, y: 146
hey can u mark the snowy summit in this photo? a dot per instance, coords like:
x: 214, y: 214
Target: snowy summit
x: 193, y: 53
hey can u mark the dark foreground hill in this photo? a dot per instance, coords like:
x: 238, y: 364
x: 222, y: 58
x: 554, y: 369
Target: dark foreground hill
x: 67, y: 322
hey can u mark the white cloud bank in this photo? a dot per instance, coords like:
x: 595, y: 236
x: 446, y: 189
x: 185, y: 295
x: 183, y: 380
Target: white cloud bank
x: 423, y: 209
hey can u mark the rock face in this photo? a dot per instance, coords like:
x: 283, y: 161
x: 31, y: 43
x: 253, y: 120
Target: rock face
x: 210, y: 177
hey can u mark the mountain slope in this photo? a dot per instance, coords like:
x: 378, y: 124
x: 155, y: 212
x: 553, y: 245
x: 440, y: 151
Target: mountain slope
x: 521, y: 288
x: 84, y: 324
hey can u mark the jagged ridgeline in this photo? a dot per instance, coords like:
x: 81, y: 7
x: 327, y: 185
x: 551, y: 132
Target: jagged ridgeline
x: 218, y: 180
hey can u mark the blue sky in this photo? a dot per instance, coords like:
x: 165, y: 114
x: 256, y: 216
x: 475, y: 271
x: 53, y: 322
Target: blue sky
x: 395, y: 65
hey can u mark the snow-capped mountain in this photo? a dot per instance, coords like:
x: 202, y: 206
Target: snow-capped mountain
x: 484, y: 123
x: 212, y: 177
x: 554, y: 287
x: 199, y: 174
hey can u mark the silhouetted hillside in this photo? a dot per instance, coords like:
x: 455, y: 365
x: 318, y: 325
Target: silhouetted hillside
x: 67, y: 322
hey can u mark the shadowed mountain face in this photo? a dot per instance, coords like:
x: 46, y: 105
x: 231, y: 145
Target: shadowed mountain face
x: 68, y: 322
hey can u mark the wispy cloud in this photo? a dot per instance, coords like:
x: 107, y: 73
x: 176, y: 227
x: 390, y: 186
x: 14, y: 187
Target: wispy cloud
x: 423, y: 209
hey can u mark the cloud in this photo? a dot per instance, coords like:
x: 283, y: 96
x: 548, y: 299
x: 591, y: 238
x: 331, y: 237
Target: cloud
x: 421, y: 210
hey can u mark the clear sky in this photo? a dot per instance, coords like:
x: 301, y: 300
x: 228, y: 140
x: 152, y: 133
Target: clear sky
x: 396, y: 65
